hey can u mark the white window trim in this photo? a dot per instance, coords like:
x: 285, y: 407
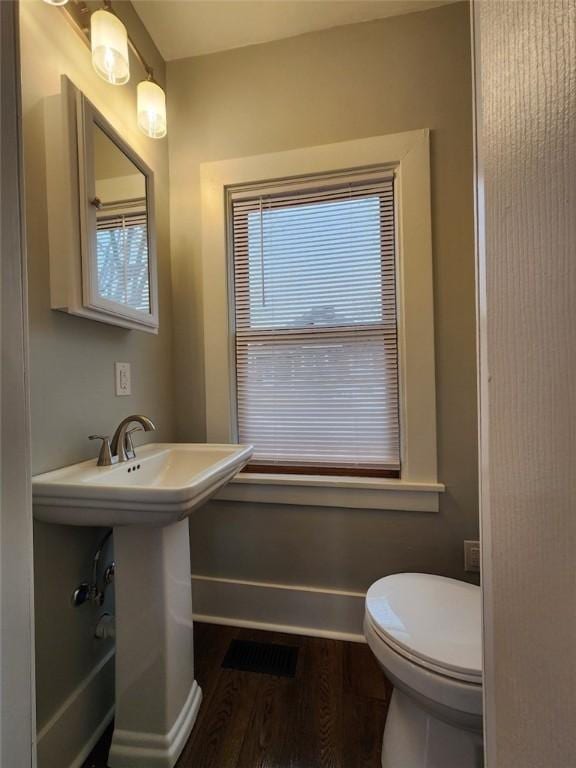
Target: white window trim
x: 408, y: 154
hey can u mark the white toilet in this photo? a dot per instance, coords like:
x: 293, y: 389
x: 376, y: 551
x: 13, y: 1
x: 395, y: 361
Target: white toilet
x: 426, y: 633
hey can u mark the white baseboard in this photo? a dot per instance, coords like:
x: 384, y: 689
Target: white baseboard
x: 279, y: 607
x: 67, y: 739
x: 82, y: 756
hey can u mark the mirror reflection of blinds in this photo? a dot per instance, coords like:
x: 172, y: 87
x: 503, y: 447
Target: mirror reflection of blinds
x: 316, y: 327
x: 122, y: 206
x: 122, y: 259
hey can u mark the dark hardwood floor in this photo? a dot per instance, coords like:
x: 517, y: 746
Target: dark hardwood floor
x: 330, y: 715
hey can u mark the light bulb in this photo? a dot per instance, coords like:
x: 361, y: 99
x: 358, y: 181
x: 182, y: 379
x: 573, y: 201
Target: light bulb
x: 56, y: 2
x: 109, y: 47
x: 151, y: 108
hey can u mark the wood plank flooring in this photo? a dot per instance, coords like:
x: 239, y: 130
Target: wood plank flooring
x: 330, y: 715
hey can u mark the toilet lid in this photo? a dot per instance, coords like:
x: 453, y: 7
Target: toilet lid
x: 432, y: 620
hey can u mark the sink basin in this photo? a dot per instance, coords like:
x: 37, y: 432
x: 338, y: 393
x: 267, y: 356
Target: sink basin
x: 147, y: 500
x: 164, y: 484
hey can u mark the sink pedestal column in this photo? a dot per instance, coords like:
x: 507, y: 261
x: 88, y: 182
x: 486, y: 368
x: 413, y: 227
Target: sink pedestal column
x: 157, y: 698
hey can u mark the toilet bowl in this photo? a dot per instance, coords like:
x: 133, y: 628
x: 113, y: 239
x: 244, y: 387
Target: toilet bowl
x: 425, y: 632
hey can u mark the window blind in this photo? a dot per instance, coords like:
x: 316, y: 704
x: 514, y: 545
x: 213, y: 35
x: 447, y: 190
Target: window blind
x: 315, y: 327
x: 122, y: 259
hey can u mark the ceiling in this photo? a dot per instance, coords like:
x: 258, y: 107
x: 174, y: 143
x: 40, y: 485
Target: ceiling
x: 182, y: 28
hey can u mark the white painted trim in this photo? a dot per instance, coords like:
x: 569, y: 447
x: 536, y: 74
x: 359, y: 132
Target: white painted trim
x: 98, y: 684
x: 408, y: 155
x: 72, y: 699
x: 285, y: 629
x: 488, y: 666
x: 93, y: 740
x: 295, y: 609
x: 345, y: 492
x: 17, y: 671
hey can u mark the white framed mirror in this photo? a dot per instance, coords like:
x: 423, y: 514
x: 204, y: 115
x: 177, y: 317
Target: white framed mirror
x: 103, y: 241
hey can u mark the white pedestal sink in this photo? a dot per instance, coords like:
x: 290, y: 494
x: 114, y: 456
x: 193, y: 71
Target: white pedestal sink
x: 147, y: 501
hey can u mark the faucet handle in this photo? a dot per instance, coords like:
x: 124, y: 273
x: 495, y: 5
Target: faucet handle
x: 105, y: 456
x: 128, y: 444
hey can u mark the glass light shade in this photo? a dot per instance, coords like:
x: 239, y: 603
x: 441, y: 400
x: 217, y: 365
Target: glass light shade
x: 151, y: 109
x: 109, y: 47
x: 56, y: 2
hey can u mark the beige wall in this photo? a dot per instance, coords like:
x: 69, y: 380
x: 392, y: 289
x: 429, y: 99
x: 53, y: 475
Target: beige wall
x: 72, y: 359
x: 380, y: 77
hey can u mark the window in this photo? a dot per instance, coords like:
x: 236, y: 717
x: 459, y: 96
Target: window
x: 122, y: 259
x: 314, y: 267
x: 231, y: 190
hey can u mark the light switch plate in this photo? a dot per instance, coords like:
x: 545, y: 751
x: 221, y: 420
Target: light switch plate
x: 472, y: 556
x: 123, y: 379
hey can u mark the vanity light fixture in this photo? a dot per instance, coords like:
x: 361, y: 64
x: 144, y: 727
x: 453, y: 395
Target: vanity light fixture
x: 109, y: 40
x: 151, y: 109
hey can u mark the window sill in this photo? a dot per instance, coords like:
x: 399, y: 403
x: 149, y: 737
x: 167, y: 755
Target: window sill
x: 347, y: 492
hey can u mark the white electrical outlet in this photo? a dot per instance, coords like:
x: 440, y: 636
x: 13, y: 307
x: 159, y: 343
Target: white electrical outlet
x: 472, y: 556
x: 123, y: 379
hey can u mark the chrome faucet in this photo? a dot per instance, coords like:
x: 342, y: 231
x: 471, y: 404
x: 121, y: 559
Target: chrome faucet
x: 121, y: 448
